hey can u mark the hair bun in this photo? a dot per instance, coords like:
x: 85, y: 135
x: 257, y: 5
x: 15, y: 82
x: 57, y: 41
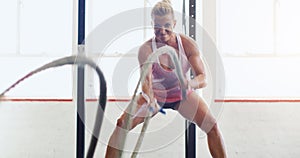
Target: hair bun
x: 167, y: 1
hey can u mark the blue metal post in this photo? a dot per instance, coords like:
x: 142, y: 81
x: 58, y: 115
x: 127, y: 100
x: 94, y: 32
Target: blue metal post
x: 80, y: 83
x: 190, y: 134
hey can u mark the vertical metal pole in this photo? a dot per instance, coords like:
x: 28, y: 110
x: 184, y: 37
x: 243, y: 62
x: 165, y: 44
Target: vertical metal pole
x: 184, y: 18
x: 190, y: 133
x: 80, y: 83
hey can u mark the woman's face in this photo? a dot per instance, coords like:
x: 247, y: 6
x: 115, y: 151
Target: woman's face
x: 163, y: 27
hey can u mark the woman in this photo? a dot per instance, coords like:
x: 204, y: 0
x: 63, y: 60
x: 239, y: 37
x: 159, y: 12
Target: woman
x: 162, y: 87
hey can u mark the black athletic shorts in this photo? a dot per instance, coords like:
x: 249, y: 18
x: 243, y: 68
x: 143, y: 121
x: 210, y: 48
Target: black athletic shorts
x: 172, y: 105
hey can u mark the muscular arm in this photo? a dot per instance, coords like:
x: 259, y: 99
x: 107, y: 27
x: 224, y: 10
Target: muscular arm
x: 193, y: 55
x: 144, y: 51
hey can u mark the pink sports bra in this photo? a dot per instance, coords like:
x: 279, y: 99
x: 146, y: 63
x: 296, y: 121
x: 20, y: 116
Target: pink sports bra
x: 165, y: 84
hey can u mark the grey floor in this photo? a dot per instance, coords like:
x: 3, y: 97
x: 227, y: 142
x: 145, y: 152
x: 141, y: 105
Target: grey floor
x: 260, y: 130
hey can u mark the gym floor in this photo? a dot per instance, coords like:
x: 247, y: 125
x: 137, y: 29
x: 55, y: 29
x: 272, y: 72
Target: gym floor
x: 47, y: 129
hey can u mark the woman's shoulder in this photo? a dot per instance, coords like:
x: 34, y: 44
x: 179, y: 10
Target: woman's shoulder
x: 146, y: 45
x: 188, y: 43
x: 186, y: 39
x: 145, y: 50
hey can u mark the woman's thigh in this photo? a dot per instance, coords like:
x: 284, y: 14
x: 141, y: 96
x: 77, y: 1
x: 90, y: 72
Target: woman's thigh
x: 195, y: 109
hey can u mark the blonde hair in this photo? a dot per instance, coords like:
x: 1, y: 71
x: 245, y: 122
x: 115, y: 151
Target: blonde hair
x: 167, y: 1
x: 162, y: 8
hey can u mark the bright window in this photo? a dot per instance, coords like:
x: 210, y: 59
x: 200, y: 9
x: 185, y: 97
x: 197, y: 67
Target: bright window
x: 36, y: 27
x: 8, y: 31
x: 99, y: 12
x: 255, y: 27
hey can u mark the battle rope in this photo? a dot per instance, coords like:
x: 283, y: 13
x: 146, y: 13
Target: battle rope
x: 80, y: 61
x: 132, y: 106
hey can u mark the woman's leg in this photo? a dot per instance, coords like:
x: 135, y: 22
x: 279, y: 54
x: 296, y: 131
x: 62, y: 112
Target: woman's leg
x: 113, y: 148
x: 195, y: 109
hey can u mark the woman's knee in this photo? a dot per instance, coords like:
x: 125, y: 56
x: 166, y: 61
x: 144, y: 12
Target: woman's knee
x: 214, y: 129
x: 120, y: 122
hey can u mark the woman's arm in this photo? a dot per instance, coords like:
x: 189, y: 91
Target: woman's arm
x: 193, y: 55
x: 143, y: 54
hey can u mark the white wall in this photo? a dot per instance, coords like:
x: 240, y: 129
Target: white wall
x: 251, y: 71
